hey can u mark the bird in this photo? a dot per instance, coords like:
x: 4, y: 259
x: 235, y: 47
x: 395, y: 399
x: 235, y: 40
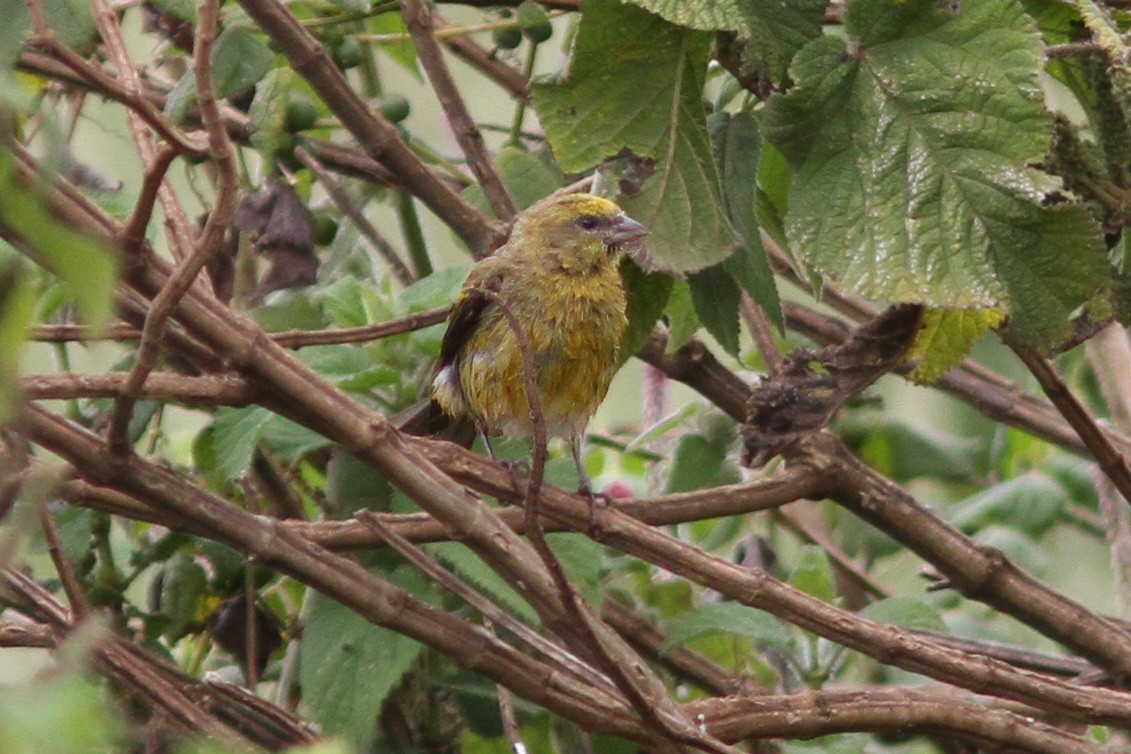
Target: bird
x: 557, y: 277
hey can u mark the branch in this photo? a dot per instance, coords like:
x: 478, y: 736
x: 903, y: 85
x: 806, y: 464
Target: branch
x: 899, y: 711
x: 420, y: 25
x: 376, y: 135
x: 1113, y: 463
x: 351, y: 210
x: 206, y: 246
x: 339, y: 578
x: 976, y: 571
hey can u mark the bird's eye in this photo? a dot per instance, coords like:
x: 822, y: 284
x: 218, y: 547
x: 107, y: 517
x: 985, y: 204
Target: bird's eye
x: 587, y: 222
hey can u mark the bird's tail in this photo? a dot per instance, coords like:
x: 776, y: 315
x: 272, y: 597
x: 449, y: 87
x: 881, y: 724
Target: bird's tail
x: 426, y: 419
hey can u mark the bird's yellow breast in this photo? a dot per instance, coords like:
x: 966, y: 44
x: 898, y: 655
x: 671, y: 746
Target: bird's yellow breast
x: 574, y: 325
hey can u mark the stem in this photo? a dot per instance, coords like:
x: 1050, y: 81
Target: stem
x: 413, y: 236
x: 520, y: 105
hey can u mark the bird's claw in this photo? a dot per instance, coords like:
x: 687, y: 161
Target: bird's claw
x: 595, y: 499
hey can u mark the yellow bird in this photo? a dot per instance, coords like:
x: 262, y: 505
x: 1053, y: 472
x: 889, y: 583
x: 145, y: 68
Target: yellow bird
x: 557, y: 274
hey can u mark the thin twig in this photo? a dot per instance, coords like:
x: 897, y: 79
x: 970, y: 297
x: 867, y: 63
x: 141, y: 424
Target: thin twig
x: 502, y: 74
x: 67, y: 577
x: 134, y: 233
x: 178, y: 228
x: 839, y: 558
x: 763, y: 333
x: 286, y: 338
x: 510, y: 722
x: 420, y: 24
x: 346, y: 205
x: 206, y: 246
x: 250, y: 621
x: 1110, y: 460
x: 488, y: 609
x: 139, y: 105
x: 1109, y: 353
x: 376, y: 135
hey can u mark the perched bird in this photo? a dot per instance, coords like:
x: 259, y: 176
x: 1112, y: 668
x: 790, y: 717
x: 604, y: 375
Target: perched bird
x: 557, y: 274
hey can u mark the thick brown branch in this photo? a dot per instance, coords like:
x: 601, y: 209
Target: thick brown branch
x: 375, y: 134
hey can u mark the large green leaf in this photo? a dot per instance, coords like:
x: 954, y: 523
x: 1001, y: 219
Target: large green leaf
x: 726, y: 618
x: 773, y: 27
x: 737, y: 147
x: 348, y: 668
x: 635, y: 83
x: 87, y: 268
x: 239, y: 60
x: 236, y: 432
x: 911, y: 141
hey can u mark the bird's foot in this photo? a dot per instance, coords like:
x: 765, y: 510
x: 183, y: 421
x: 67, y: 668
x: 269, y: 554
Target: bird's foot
x: 596, y: 500
x: 519, y: 470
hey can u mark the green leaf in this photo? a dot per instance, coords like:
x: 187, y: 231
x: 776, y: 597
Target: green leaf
x: 348, y: 668
x: 182, y: 9
x: 1022, y: 550
x: 774, y: 28
x: 74, y: 527
x: 581, y: 559
x: 910, y: 153
x: 72, y: 22
x: 181, y: 98
x: 183, y: 589
x: 87, y: 268
x: 345, y: 365
x: 905, y: 450
x: 13, y: 32
x: 737, y: 148
x: 635, y: 83
x: 703, y: 460
x: 239, y: 60
x: 813, y: 575
x: 726, y: 618
x: 268, y: 111
x: 528, y: 177
x: 352, y: 486
x: 470, y: 567
x: 402, y: 52
x: 716, y: 297
x: 438, y: 289
x: 682, y: 321
x: 352, y: 6
x: 67, y: 715
x: 290, y: 440
x: 853, y: 743
x: 945, y: 338
x: 1030, y: 503
x: 906, y: 612
x: 344, y: 300
x: 18, y: 294
x: 648, y: 294
x: 235, y: 434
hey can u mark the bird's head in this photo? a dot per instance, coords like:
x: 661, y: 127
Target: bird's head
x: 577, y: 232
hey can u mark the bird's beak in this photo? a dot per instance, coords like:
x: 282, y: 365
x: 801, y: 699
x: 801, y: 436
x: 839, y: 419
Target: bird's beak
x: 624, y: 230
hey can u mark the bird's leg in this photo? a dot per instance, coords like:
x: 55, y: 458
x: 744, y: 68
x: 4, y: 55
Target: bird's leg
x: 585, y: 486
x: 517, y: 469
x: 487, y: 444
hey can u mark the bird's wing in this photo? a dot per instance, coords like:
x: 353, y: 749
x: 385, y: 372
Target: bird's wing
x: 468, y: 311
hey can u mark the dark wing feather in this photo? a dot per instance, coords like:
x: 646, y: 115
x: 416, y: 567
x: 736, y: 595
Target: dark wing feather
x: 465, y: 317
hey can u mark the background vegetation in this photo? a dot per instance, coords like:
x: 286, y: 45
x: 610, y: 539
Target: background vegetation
x: 231, y: 231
